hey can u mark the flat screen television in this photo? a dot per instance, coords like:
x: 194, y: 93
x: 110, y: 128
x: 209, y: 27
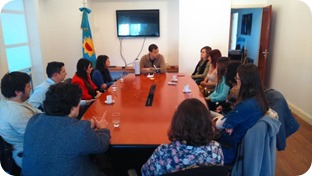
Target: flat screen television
x: 137, y: 23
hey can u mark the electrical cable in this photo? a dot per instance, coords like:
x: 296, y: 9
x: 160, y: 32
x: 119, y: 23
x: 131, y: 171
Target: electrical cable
x: 141, y: 47
x: 120, y: 50
x: 123, y: 58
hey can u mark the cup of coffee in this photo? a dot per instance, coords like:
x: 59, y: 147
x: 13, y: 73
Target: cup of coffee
x: 187, y: 88
x: 174, y: 77
x: 121, y: 79
x: 109, y: 99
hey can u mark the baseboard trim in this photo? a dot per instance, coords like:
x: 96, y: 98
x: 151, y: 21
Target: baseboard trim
x: 300, y: 113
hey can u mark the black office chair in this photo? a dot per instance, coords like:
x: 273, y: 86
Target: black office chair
x: 7, y: 162
x: 202, y: 171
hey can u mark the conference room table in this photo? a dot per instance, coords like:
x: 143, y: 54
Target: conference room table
x: 142, y: 128
x: 141, y: 124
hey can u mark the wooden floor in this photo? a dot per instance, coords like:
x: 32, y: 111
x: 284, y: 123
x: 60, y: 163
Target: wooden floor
x: 297, y: 157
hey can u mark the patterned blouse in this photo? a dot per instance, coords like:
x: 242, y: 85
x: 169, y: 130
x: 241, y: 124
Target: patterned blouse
x: 178, y: 156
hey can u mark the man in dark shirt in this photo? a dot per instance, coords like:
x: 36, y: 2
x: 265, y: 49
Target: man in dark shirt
x: 56, y: 143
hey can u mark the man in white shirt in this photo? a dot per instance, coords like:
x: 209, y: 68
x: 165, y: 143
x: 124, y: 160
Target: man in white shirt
x: 15, y: 111
x: 56, y: 73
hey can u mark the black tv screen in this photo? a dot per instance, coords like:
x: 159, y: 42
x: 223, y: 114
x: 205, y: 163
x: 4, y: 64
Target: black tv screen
x: 137, y: 23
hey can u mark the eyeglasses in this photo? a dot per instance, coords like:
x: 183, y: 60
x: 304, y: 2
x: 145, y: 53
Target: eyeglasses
x: 236, y: 78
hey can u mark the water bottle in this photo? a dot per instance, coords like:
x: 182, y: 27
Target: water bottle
x: 136, y: 66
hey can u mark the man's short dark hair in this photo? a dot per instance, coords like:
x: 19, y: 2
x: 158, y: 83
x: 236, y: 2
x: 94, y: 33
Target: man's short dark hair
x: 61, y: 98
x: 54, y: 67
x: 14, y: 81
x: 152, y: 47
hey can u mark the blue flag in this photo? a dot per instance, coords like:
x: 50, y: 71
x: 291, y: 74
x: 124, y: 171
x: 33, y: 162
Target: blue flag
x: 87, y: 43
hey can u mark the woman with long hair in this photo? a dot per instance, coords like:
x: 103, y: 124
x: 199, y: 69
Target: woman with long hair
x: 211, y: 79
x: 191, y: 134
x: 230, y: 80
x: 101, y: 75
x: 83, y: 79
x: 222, y: 89
x: 250, y: 106
x: 202, y: 66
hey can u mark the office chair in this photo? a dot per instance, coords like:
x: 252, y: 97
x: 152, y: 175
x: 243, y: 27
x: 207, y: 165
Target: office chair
x: 7, y: 162
x: 289, y: 124
x: 257, y: 152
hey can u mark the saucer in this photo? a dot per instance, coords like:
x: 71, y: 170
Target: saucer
x: 187, y: 91
x: 109, y: 103
x: 172, y: 83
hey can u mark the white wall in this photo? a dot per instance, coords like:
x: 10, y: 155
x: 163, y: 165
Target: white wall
x: 105, y: 37
x: 60, y: 33
x: 204, y: 22
x: 32, y: 18
x: 248, y: 3
x: 291, y: 52
x: 3, y: 61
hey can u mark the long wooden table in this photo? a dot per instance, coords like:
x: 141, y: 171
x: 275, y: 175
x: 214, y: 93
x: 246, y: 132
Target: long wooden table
x: 140, y: 124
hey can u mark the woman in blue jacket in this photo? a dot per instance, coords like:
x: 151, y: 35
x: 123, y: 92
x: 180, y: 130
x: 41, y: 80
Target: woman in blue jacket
x: 251, y: 106
x: 101, y: 75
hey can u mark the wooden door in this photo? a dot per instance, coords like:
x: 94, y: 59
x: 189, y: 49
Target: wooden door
x: 264, y: 42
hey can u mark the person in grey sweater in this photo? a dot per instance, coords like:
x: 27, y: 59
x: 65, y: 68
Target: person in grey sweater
x: 15, y: 111
x: 153, y: 61
x: 56, y: 143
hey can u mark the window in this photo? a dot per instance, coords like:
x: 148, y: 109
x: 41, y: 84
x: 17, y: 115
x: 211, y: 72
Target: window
x: 15, y: 36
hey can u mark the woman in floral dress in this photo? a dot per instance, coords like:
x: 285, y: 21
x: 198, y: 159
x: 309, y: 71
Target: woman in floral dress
x: 191, y: 134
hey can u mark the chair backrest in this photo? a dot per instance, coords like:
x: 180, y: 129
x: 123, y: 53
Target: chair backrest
x: 289, y: 125
x: 257, y: 152
x: 202, y: 171
x: 7, y: 162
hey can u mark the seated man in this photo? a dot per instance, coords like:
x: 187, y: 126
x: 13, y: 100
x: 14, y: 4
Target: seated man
x: 56, y: 73
x: 153, y: 61
x: 15, y: 111
x: 56, y: 143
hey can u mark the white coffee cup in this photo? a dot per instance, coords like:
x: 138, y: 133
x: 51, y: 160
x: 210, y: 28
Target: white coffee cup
x: 109, y: 99
x: 186, y: 88
x: 121, y: 80
x: 174, y: 77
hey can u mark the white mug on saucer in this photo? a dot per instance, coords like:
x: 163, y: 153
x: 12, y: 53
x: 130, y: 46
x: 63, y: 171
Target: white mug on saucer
x: 186, y: 88
x: 109, y: 99
x: 174, y: 77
